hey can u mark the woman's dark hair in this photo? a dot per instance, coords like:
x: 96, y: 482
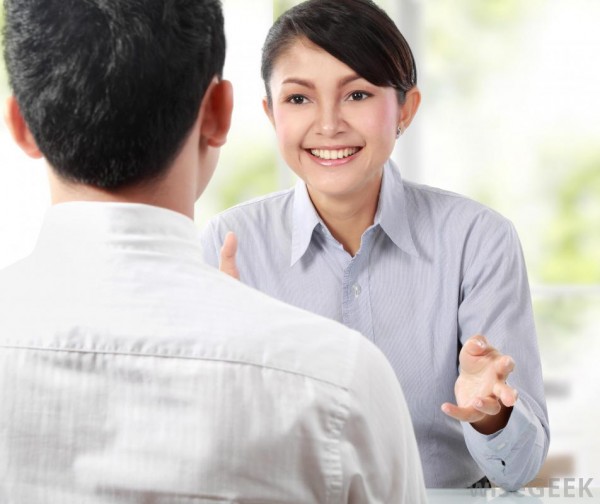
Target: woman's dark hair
x: 111, y: 88
x: 356, y: 32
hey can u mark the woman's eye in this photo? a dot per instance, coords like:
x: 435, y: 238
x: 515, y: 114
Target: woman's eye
x: 297, y: 99
x: 359, y: 95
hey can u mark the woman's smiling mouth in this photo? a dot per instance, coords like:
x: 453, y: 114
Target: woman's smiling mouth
x: 334, y: 154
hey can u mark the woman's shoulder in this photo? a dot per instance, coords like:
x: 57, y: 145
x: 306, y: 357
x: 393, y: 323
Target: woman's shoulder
x: 269, y: 201
x: 261, y: 208
x: 256, y: 219
x: 437, y: 214
x: 441, y: 203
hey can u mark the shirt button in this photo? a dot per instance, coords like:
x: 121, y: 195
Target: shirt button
x: 500, y: 446
x: 357, y: 290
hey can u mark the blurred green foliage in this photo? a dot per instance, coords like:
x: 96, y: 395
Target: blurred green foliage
x: 280, y: 6
x: 247, y: 169
x: 461, y: 40
x: 558, y: 316
x: 572, y: 237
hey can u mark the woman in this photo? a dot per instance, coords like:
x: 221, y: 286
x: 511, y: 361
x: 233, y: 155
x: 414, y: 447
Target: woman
x: 421, y: 272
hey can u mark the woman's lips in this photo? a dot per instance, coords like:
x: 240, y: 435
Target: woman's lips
x: 333, y: 156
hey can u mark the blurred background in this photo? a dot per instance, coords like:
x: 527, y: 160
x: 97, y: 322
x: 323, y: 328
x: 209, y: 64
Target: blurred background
x: 510, y: 117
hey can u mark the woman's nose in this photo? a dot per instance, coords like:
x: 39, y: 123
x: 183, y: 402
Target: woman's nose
x: 329, y: 122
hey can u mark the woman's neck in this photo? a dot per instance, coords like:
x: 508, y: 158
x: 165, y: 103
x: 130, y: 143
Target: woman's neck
x: 348, y: 218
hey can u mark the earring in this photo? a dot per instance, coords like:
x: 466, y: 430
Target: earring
x: 399, y: 131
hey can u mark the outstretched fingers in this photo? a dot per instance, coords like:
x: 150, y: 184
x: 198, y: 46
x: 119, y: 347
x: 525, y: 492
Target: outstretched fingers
x: 477, y: 345
x: 507, y: 395
x: 504, y: 366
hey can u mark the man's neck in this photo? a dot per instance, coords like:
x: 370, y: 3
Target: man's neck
x: 164, y: 193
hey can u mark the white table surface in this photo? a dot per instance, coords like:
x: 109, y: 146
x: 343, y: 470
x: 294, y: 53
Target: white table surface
x: 566, y: 495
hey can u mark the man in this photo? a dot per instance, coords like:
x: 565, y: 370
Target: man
x: 131, y: 372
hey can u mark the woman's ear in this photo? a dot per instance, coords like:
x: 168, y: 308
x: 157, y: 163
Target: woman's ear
x: 19, y: 130
x: 217, y: 107
x: 409, y: 108
x: 268, y: 110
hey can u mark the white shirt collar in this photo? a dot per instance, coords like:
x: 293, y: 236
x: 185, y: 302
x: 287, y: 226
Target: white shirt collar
x: 74, y: 225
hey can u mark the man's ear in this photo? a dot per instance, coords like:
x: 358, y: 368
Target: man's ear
x: 19, y: 130
x: 409, y: 108
x: 268, y: 110
x: 217, y: 107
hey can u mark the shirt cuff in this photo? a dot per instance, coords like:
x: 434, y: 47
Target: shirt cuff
x: 497, y: 454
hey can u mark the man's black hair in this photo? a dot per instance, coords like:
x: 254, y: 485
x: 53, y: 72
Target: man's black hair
x: 111, y: 88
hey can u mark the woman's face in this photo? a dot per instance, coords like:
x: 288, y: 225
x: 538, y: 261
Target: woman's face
x: 334, y: 128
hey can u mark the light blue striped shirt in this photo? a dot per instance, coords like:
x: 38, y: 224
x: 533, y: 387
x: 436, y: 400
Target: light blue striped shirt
x: 434, y: 269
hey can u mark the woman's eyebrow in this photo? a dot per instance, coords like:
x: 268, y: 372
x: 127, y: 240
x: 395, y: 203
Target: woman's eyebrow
x: 349, y: 78
x: 309, y: 84
x: 301, y: 82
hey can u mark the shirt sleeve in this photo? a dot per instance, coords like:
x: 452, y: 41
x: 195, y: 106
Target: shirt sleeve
x: 496, y: 302
x: 379, y: 454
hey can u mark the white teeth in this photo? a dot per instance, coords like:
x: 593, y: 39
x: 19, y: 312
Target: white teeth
x: 334, y: 154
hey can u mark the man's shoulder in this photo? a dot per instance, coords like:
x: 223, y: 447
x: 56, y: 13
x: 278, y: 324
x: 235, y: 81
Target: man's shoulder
x: 283, y: 337
x: 208, y: 316
x: 14, y: 276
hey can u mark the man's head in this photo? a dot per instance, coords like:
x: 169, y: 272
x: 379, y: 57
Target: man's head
x: 110, y: 89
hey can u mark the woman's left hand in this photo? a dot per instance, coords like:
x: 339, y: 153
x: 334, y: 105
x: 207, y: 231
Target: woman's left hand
x: 482, y: 395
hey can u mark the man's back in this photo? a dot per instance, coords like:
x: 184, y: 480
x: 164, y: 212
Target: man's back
x: 131, y: 372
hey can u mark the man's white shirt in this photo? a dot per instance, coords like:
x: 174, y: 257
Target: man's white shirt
x: 129, y: 371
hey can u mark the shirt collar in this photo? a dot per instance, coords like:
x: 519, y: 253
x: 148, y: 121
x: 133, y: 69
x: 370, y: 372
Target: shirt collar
x: 304, y: 220
x: 392, y: 214
x: 393, y: 210
x: 75, y: 227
